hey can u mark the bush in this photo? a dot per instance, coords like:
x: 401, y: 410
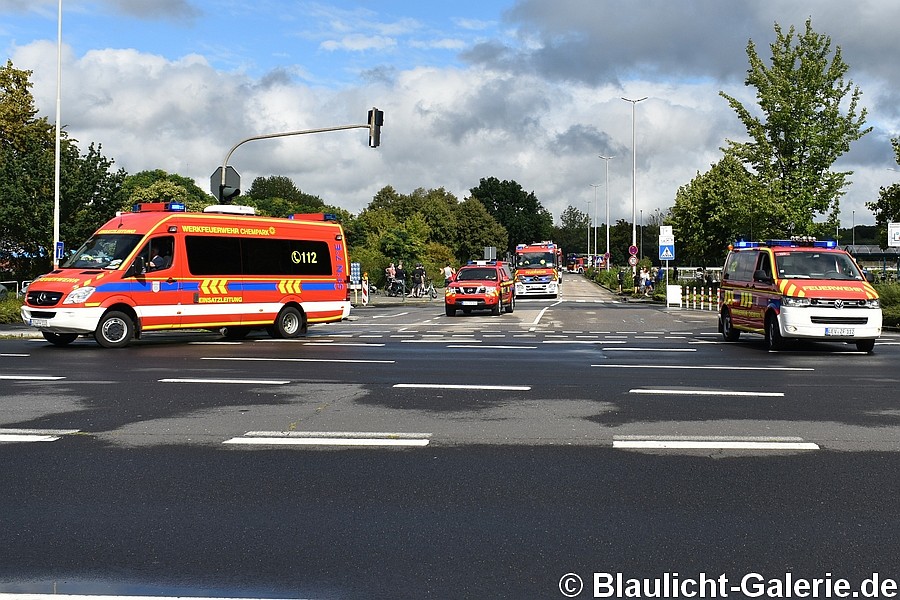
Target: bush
x: 9, y: 310
x: 889, y: 294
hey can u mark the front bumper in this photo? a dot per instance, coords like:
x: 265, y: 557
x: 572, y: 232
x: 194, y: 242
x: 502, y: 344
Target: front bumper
x: 847, y: 324
x: 62, y: 320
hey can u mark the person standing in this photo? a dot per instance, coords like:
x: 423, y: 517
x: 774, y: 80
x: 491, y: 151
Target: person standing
x: 401, y: 277
x: 449, y: 272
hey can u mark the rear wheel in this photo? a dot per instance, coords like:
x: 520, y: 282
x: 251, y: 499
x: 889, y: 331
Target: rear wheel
x: 728, y: 331
x: 59, y: 339
x: 290, y: 323
x: 865, y: 345
x: 115, y: 330
x: 773, y: 333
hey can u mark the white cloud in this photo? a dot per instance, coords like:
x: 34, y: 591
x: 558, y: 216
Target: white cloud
x: 359, y: 43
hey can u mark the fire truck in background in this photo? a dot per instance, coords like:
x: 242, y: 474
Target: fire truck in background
x: 539, y: 269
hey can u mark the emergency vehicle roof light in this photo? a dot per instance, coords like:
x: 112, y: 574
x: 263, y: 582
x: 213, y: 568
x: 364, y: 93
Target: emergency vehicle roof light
x: 482, y: 263
x: 230, y: 209
x: 314, y: 216
x: 746, y: 244
x: 159, y: 207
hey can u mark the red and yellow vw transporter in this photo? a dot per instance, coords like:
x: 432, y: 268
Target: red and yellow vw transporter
x: 538, y: 269
x: 797, y: 289
x: 226, y: 269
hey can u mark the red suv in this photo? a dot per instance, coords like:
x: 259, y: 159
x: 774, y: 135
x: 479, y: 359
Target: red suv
x: 481, y: 285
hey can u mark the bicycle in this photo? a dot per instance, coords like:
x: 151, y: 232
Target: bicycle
x: 429, y: 290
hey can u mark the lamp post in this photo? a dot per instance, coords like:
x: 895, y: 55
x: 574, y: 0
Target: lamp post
x: 853, y: 235
x: 595, y: 186
x: 607, y: 159
x: 641, y: 251
x: 633, y: 176
x: 587, y: 242
x: 57, y: 155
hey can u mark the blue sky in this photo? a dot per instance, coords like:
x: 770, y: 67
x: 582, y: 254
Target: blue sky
x: 528, y: 90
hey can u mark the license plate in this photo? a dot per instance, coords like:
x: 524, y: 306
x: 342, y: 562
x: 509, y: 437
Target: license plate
x: 840, y: 331
x: 469, y: 303
x: 39, y: 322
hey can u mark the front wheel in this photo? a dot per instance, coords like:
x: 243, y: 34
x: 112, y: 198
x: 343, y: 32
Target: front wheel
x: 773, y: 333
x: 290, y: 323
x: 115, y: 330
x: 449, y: 310
x: 59, y: 339
x: 865, y: 345
x: 433, y: 293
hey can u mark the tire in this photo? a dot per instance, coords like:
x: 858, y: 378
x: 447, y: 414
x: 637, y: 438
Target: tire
x: 449, y: 310
x: 512, y: 304
x: 773, y: 334
x: 115, y: 330
x: 59, y: 339
x: 495, y: 309
x: 729, y: 333
x: 235, y: 332
x: 433, y: 294
x: 290, y: 323
x: 865, y: 345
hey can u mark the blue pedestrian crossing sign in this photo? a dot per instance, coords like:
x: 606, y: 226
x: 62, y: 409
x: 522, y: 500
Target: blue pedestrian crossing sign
x: 667, y: 252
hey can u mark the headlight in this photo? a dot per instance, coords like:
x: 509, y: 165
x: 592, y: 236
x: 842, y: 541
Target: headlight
x: 490, y: 291
x: 79, y: 296
x: 450, y: 292
x: 873, y: 303
x: 792, y: 301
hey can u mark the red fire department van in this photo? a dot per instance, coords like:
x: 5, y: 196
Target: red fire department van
x: 797, y: 289
x: 160, y: 267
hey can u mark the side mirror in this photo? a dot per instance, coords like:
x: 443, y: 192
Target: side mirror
x: 761, y: 276
x: 870, y: 277
x: 138, y: 267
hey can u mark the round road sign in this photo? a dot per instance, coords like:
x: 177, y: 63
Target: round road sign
x: 633, y: 250
x: 632, y: 260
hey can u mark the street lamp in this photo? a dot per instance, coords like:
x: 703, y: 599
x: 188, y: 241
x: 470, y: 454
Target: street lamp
x: 633, y: 176
x: 607, y: 159
x: 57, y: 154
x: 595, y: 186
x: 587, y: 243
x: 854, y: 231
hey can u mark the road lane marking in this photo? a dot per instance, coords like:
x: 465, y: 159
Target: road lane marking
x: 31, y: 377
x: 228, y: 381
x: 330, y: 343
x: 710, y: 444
x: 33, y: 435
x: 331, y: 438
x: 663, y: 392
x: 706, y: 367
x: 456, y: 386
x: 633, y: 349
x: 12, y: 355
x: 323, y: 360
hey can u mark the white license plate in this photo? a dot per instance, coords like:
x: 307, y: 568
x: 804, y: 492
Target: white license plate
x: 39, y: 322
x: 469, y: 303
x: 840, y: 331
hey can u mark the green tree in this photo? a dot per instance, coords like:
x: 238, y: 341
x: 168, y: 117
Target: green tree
x: 573, y: 231
x: 159, y: 186
x: 90, y: 191
x: 519, y: 212
x: 887, y: 207
x: 277, y: 196
x: 802, y: 130
x: 477, y: 230
x: 716, y: 208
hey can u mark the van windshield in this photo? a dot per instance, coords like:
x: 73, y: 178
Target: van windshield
x: 816, y: 265
x: 105, y: 251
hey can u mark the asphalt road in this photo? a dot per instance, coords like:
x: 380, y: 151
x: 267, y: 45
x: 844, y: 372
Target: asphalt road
x: 405, y: 454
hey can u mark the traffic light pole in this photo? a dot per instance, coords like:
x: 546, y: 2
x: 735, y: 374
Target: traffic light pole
x: 372, y: 126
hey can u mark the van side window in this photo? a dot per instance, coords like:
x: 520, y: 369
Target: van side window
x: 158, y: 253
x: 740, y: 265
x: 765, y: 264
x: 210, y: 255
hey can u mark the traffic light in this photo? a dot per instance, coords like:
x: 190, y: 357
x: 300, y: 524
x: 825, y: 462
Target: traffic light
x: 376, y: 120
x: 228, y: 193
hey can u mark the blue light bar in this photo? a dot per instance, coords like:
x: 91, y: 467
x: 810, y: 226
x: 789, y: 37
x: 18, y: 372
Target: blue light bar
x: 745, y: 244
